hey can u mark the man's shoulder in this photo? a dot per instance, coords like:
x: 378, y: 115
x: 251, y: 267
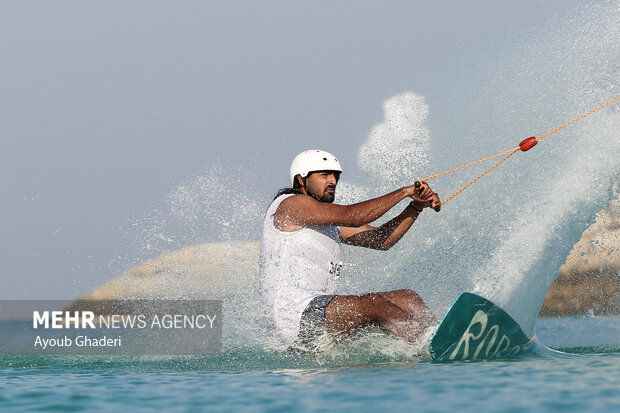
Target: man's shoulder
x: 278, y: 201
x: 283, y: 197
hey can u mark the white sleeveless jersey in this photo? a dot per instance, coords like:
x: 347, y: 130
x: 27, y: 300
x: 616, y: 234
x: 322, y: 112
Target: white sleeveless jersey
x: 295, y: 267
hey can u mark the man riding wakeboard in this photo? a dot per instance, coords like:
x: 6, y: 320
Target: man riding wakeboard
x: 301, y: 257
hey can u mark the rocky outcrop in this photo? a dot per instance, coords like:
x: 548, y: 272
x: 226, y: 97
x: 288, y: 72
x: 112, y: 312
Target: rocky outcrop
x: 589, y: 282
x: 192, y: 272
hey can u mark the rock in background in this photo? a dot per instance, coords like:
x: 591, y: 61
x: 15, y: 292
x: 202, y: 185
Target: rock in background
x: 195, y: 272
x: 589, y: 282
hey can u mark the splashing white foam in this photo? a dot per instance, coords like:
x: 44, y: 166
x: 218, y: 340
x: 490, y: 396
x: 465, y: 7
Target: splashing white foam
x: 216, y: 200
x: 399, y: 146
x: 575, y: 168
x: 351, y: 193
x: 215, y: 206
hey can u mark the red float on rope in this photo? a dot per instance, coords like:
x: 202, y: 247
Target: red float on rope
x: 528, y: 143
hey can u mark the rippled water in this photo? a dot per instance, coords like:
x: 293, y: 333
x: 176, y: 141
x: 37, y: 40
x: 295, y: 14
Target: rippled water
x: 255, y: 380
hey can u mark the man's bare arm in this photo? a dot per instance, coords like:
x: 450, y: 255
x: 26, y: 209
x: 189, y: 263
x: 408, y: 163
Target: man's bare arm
x: 301, y: 210
x: 383, y: 237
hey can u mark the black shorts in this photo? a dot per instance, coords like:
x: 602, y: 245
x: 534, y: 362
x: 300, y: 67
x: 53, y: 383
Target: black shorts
x: 312, y: 323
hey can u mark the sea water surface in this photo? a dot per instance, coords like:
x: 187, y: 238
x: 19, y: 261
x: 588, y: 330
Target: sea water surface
x: 584, y: 377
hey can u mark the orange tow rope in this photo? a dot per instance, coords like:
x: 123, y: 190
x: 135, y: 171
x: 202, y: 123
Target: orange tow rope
x: 523, y: 146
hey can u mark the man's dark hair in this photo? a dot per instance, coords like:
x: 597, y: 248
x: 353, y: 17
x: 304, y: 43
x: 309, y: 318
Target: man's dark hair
x: 294, y: 190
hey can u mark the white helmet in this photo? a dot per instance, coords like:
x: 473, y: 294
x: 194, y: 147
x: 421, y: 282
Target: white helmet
x: 313, y: 160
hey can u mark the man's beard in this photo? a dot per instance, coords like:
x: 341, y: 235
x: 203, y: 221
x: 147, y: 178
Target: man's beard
x: 327, y: 197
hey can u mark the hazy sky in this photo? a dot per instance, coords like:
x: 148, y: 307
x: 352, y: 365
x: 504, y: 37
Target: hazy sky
x: 106, y: 107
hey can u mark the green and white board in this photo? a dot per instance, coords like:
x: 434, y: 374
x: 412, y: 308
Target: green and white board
x: 476, y: 329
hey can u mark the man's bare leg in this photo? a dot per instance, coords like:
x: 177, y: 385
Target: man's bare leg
x: 412, y: 303
x: 401, y: 313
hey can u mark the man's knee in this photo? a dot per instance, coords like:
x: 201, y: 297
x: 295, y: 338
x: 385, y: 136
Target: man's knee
x: 413, y: 296
x: 409, y: 292
x: 404, y: 294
